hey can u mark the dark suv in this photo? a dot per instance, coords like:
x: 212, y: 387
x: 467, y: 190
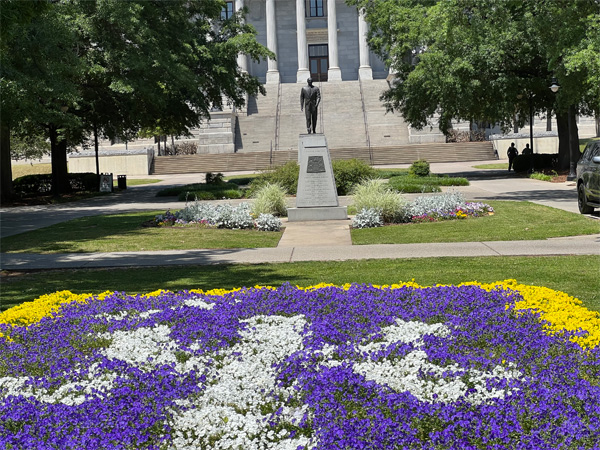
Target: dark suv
x: 588, y: 178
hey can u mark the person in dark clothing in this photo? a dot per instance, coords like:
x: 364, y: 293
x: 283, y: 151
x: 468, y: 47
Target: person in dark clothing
x: 527, y: 150
x: 512, y: 154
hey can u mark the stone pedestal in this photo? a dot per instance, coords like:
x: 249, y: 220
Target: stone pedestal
x: 316, y: 197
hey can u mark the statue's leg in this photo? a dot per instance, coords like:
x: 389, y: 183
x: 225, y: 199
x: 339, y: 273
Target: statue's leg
x: 307, y: 112
x: 314, y: 119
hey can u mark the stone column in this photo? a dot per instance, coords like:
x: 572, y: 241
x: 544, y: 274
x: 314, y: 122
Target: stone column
x: 272, y: 70
x: 364, y: 71
x: 334, y: 73
x: 241, y: 59
x: 303, y: 70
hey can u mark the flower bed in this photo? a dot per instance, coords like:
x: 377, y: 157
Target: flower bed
x: 502, y: 366
x: 218, y: 216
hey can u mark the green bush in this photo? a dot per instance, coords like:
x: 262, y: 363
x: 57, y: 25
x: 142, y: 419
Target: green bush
x: 217, y: 189
x: 541, y: 161
x: 214, y: 178
x: 190, y: 196
x: 285, y: 176
x: 270, y: 199
x: 349, y: 173
x: 373, y: 194
x: 419, y: 168
x: 41, y: 184
x: 408, y: 185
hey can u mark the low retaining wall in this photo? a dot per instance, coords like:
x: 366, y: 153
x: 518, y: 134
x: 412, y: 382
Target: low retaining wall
x: 118, y: 162
x: 542, y: 143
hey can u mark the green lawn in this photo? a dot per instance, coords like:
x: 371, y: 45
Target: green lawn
x: 575, y: 275
x: 124, y: 232
x: 512, y: 221
x: 492, y: 166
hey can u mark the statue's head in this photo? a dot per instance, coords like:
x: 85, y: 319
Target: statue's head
x: 309, y: 81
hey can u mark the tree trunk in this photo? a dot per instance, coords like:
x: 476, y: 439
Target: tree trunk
x: 6, y: 185
x: 158, y: 141
x: 573, y: 143
x: 562, y: 124
x: 60, y: 174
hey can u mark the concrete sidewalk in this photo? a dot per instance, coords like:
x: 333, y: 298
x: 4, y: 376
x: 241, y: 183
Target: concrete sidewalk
x: 301, y: 241
x: 578, y: 245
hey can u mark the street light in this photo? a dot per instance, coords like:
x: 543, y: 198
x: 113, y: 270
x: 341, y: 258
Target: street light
x: 554, y: 87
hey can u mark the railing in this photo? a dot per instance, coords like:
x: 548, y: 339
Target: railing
x: 277, y: 118
x: 366, y: 121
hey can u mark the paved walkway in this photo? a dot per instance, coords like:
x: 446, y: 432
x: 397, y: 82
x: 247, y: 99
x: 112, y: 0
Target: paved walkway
x: 301, y: 241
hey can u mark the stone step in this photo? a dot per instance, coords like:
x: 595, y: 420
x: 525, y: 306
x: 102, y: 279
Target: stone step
x: 404, y: 154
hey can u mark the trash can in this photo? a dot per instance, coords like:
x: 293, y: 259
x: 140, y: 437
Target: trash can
x: 122, y: 181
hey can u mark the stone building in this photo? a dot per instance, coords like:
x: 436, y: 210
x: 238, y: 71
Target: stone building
x: 324, y: 39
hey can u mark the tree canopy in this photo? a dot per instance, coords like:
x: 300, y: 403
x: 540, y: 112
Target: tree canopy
x: 70, y: 67
x: 486, y: 60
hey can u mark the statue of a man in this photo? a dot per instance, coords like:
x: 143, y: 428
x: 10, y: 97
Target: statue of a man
x: 310, y: 97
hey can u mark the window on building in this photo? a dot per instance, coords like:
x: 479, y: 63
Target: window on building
x: 227, y: 11
x: 315, y: 8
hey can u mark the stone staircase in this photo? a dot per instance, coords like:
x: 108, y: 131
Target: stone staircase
x: 255, y: 127
x: 385, y: 129
x: 249, y: 161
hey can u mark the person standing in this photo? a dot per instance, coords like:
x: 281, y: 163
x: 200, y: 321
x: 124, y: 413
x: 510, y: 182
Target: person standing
x: 310, y: 97
x: 512, y: 153
x: 527, y: 150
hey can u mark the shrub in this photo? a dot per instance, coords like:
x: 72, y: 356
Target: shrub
x: 221, y: 216
x: 268, y: 222
x: 419, y: 168
x: 41, y: 184
x: 541, y: 161
x: 270, y: 199
x: 373, y: 194
x: 368, y: 218
x: 196, y: 195
x: 285, y: 176
x: 350, y: 172
x: 440, y: 204
x: 411, y: 185
x: 214, y: 178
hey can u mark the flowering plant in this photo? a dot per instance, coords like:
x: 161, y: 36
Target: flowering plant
x: 502, y: 366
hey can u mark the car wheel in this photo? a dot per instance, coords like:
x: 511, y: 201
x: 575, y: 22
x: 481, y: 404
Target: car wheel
x: 584, y: 208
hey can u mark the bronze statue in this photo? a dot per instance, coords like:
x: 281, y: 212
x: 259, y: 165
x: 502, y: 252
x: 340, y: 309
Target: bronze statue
x: 310, y: 97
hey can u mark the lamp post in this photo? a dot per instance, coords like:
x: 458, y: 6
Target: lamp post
x: 531, y: 131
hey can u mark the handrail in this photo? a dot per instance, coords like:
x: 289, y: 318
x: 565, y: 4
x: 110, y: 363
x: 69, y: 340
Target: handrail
x: 277, y: 118
x: 366, y: 122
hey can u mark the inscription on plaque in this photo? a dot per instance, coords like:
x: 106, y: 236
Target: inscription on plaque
x: 315, y: 164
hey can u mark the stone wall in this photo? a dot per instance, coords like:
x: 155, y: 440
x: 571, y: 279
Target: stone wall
x: 117, y: 162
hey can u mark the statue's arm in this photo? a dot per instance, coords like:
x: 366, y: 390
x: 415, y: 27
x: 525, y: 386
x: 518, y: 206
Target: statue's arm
x: 318, y: 97
x: 302, y: 99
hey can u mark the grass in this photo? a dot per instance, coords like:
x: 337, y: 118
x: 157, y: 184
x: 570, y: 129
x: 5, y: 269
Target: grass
x: 503, y: 166
x: 20, y: 170
x: 137, y: 181
x: 575, y: 275
x: 512, y: 221
x: 124, y: 232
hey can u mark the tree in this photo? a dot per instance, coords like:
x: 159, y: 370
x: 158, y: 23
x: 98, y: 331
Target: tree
x: 36, y: 74
x: 484, y: 60
x: 112, y: 67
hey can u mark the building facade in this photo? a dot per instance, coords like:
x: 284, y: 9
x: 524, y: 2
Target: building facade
x: 323, y: 39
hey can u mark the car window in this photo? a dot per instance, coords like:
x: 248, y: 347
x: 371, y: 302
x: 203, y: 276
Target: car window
x: 595, y: 150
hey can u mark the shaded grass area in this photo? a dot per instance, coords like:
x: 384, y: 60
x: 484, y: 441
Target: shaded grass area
x: 512, y: 221
x: 124, y: 232
x: 575, y: 275
x: 20, y: 170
